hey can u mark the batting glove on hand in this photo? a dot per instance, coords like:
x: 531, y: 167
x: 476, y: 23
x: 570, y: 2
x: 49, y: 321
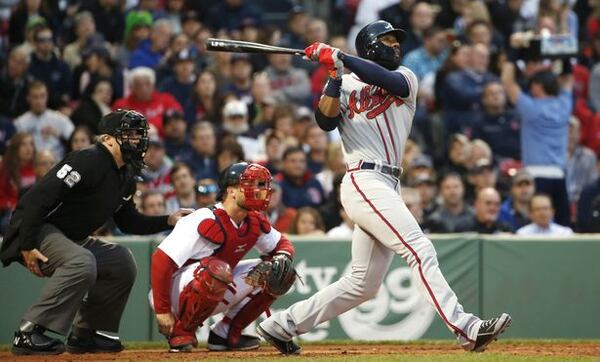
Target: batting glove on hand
x: 330, y: 57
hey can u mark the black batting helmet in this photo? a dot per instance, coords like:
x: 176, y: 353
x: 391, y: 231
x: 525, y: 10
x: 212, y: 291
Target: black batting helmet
x: 368, y: 46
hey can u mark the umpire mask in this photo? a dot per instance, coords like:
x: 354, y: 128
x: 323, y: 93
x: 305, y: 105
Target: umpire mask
x: 130, y: 129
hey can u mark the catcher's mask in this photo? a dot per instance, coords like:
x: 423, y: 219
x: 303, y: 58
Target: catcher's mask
x: 254, y: 181
x: 130, y: 129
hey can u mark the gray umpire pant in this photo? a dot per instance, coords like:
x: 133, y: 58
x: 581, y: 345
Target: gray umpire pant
x: 89, y: 283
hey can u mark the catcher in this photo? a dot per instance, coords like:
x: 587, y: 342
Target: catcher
x: 198, y: 271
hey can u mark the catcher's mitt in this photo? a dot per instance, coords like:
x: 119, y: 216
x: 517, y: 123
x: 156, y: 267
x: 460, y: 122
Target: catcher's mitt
x: 276, y: 276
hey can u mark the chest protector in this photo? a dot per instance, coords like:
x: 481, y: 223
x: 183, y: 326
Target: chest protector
x: 234, y: 243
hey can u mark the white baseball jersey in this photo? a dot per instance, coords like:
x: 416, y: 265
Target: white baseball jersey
x: 185, y: 243
x: 375, y: 124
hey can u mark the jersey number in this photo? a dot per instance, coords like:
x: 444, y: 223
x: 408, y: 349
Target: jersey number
x: 69, y: 176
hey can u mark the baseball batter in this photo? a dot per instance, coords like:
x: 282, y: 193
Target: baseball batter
x: 198, y: 271
x: 373, y: 110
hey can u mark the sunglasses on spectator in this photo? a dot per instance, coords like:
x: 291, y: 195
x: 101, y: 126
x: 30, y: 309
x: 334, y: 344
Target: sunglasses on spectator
x: 44, y: 39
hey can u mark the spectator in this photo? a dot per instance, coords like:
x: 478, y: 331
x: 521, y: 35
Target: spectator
x: 137, y: 30
x: 498, y: 126
x: 97, y: 64
x: 334, y: 166
x: 420, y: 165
x: 581, y: 163
x: 16, y: 173
x: 145, y: 99
x: 25, y: 10
x: 459, y: 151
x: 279, y: 215
x: 174, y: 10
x: 184, y: 188
x: 236, y: 124
x: 412, y: 200
x: 296, y: 28
x: 85, y: 29
x: 202, y: 158
x: 515, y: 210
x: 190, y: 23
x: 109, y: 19
x: 229, y: 14
x: 81, y: 138
x: 330, y: 210
x: 479, y: 152
x: 181, y: 84
x: 283, y: 124
x: 152, y: 203
x: 42, y: 163
x: 307, y: 222
x: 485, y: 220
x: 33, y: 24
x: 7, y: 130
x: 14, y: 81
x: 588, y: 208
x: 289, y: 84
x: 429, y: 57
x: 303, y: 118
x: 204, y: 101
x: 241, y: 77
x: 545, y: 116
x: 274, y: 148
x: 398, y: 13
x: 300, y: 187
x: 425, y: 185
x: 206, y: 192
x: 590, y: 122
x: 94, y: 105
x: 542, y: 213
x: 49, y: 128
x: 177, y: 44
x: 157, y: 173
x: 316, y: 140
x: 229, y: 151
x: 176, y: 142
x: 343, y: 230
x: 458, y: 58
x: 47, y: 67
x: 462, y: 90
x: 150, y: 51
x: 453, y: 209
x: 482, y: 175
x: 421, y: 18
x: 263, y: 104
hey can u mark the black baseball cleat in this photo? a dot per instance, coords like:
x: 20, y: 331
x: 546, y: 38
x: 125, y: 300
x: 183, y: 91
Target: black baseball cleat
x: 90, y: 341
x: 33, y: 341
x: 246, y: 343
x: 490, y: 330
x: 285, y: 347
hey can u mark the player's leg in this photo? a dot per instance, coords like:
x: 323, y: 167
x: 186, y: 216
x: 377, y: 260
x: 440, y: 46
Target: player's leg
x: 196, y: 292
x: 370, y: 262
x: 240, y: 309
x: 373, y: 201
x: 71, y: 271
x: 103, y: 306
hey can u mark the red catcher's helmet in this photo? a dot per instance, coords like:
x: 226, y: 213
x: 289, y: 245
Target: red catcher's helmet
x: 254, y: 181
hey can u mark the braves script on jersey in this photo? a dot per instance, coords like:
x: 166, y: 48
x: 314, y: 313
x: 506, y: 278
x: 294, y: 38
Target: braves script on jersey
x: 375, y: 124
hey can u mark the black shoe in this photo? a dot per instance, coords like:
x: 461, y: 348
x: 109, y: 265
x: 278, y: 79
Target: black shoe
x: 35, y: 342
x: 246, y: 343
x: 490, y: 330
x: 285, y: 347
x: 89, y: 341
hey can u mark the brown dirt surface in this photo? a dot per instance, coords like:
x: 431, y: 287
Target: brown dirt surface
x: 529, y: 348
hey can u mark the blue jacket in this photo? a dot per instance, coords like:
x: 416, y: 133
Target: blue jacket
x: 502, y: 133
x: 308, y: 193
x: 55, y: 73
x: 180, y: 91
x: 143, y: 56
x: 203, y: 167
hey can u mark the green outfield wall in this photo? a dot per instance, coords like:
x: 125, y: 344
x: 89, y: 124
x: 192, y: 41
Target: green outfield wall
x: 550, y: 287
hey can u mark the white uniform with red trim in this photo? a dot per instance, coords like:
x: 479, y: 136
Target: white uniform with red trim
x: 374, y: 128
x: 186, y: 248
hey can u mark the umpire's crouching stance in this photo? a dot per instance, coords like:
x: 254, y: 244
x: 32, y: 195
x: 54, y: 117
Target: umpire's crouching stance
x: 89, y: 279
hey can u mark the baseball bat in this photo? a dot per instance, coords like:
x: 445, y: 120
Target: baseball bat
x: 238, y: 46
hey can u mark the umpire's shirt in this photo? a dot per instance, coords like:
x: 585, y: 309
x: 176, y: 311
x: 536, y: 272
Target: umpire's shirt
x: 78, y: 195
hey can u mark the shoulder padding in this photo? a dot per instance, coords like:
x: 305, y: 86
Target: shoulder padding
x: 212, y: 230
x: 263, y: 222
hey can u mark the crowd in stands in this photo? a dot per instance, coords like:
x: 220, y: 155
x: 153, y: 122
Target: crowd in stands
x: 502, y: 141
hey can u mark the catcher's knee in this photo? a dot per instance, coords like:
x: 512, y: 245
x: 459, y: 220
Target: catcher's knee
x: 202, y: 295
